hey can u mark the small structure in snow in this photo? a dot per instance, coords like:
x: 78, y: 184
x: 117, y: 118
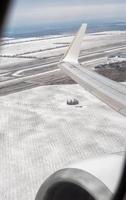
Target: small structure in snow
x: 120, y: 57
x: 72, y: 102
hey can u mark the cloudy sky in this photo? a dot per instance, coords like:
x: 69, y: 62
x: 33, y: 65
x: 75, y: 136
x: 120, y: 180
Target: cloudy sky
x: 28, y: 12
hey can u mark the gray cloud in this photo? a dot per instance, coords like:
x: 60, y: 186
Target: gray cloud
x: 44, y: 11
x: 69, y: 2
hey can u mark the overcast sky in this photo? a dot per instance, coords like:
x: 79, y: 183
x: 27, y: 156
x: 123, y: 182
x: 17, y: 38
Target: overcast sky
x: 28, y: 12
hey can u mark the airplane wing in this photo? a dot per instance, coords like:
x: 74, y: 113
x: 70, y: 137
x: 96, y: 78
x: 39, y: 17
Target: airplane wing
x: 109, y: 91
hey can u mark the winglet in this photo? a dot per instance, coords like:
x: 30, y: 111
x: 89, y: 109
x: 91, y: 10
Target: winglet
x: 73, y: 51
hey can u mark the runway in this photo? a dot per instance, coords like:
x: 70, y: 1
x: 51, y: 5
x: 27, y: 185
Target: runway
x: 41, y: 72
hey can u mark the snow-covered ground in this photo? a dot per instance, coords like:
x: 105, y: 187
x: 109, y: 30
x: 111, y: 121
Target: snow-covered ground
x: 8, y: 61
x: 40, y: 133
x: 119, y: 57
x: 123, y: 83
x: 42, y: 47
x: 31, y: 46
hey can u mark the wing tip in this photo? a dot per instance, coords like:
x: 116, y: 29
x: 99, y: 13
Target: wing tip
x: 73, y: 51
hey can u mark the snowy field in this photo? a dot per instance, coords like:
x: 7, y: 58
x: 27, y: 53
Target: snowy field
x: 9, y: 60
x: 41, y: 47
x: 40, y: 134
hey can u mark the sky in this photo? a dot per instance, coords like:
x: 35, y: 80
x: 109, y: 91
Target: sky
x: 30, y: 12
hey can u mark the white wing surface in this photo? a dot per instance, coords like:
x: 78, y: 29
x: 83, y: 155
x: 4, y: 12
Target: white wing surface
x: 110, y: 92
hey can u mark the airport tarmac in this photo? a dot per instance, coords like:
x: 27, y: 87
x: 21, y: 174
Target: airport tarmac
x: 13, y: 79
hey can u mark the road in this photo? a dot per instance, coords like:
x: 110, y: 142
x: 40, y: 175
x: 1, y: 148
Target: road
x: 46, y: 71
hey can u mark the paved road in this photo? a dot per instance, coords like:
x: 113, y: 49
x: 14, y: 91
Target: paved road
x: 37, y: 73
